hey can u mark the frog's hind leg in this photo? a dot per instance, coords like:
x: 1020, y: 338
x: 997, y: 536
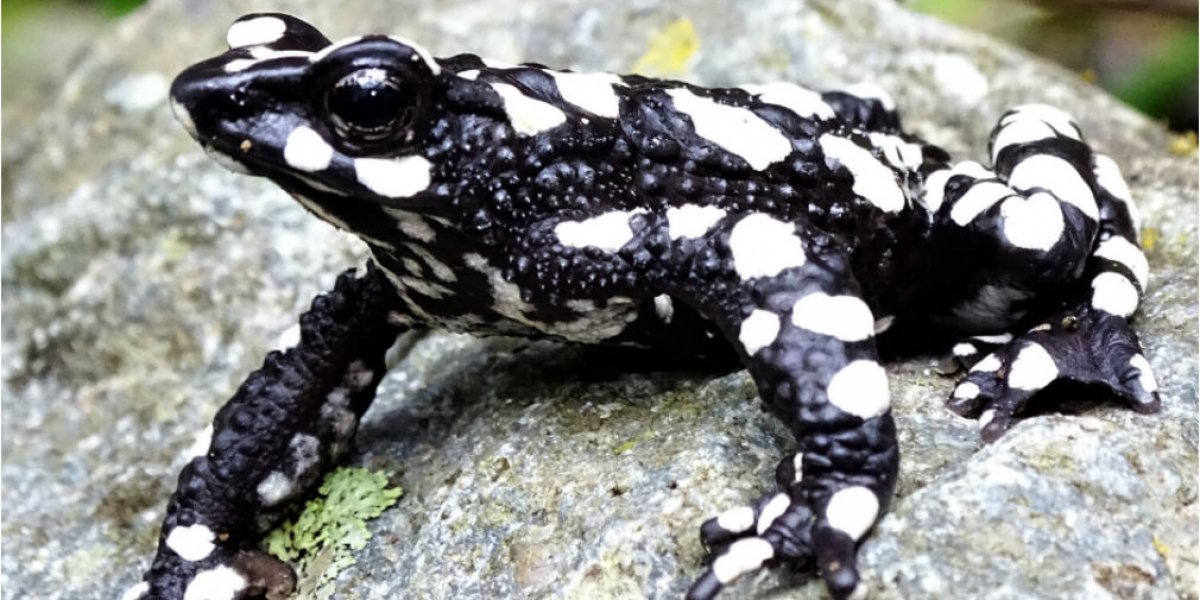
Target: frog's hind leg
x: 783, y: 295
x: 287, y: 424
x: 1047, y: 247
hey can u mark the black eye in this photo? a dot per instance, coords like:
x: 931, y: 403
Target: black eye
x: 370, y: 106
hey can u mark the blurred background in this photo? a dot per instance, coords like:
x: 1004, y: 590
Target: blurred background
x: 1142, y: 51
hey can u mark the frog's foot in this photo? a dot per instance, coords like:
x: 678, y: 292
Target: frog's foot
x: 779, y: 529
x: 224, y: 573
x: 1084, y: 345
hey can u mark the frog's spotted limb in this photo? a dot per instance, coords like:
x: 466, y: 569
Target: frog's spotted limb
x: 271, y: 442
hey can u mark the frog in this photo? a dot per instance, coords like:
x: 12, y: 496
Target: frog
x: 801, y: 235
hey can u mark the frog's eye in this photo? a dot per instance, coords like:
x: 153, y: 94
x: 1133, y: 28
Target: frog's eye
x: 371, y: 106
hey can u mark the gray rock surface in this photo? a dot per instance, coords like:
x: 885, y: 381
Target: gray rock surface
x: 141, y: 283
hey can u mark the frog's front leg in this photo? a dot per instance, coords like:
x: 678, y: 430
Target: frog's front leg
x: 1051, y: 240
x: 287, y: 424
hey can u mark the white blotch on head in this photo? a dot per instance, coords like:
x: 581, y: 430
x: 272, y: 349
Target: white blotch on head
x: 411, y: 224
x: 1000, y: 338
x: 1113, y: 293
x: 759, y: 330
x: 883, y: 324
x: 861, y: 389
x: 743, y: 556
x: 963, y: 349
x: 853, y: 511
x: 592, y: 92
x: 469, y: 74
x: 1121, y: 250
x: 763, y: 246
x: 1108, y: 176
x: 977, y: 199
x: 306, y: 150
x: 775, y: 507
x: 967, y: 390
x: 871, y: 91
x: 1032, y: 369
x: 737, y: 130
x: 255, y: 32
x: 802, y: 101
x: 736, y: 520
x: 1057, y: 176
x: 901, y: 154
x: 846, y: 318
x: 986, y: 417
x: 872, y: 180
x: 692, y: 220
x: 798, y: 467
x: 218, y: 583
x: 1145, y: 373
x: 1053, y: 116
x: 184, y: 117
x: 1020, y: 131
x: 990, y: 364
x: 1033, y: 223
x: 192, y: 542
x: 422, y: 53
x: 527, y: 115
x: 275, y: 488
x: 609, y: 231
x: 137, y: 591
x: 664, y: 307
x: 399, y: 177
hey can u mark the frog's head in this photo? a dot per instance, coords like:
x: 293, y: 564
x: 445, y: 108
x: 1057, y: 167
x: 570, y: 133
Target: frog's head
x: 321, y: 119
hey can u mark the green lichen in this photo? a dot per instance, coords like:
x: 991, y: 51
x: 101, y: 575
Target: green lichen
x: 321, y: 541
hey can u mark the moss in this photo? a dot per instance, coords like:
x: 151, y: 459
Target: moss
x: 320, y: 542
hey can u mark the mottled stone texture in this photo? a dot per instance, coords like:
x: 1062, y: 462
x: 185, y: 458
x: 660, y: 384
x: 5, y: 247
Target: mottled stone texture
x: 142, y: 283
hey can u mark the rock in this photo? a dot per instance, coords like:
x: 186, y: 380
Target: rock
x: 142, y: 283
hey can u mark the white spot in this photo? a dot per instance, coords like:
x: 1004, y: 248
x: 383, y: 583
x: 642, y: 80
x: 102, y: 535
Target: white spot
x: 527, y: 115
x: 255, y: 32
x: 421, y: 52
x: 1033, y: 223
x: 870, y: 91
x: 763, y: 246
x: 990, y: 364
x: 306, y: 150
x: 846, y: 318
x: 1113, y: 293
x: 852, y: 510
x: 200, y: 445
x: 861, y: 389
x: 738, y: 130
x: 136, y: 592
x: 743, y: 556
x: 217, y: 583
x: 872, y: 180
x: 883, y: 324
x: 1108, y: 176
x: 275, y: 488
x: 1053, y: 116
x: 183, y: 116
x: 1119, y: 249
x: 798, y: 467
x: 609, y: 231
x: 967, y: 390
x: 592, y: 92
x: 977, y: 199
x: 935, y: 184
x: 306, y: 453
x: 901, y: 154
x: 986, y: 417
x: 736, y: 520
x: 664, y: 307
x: 759, y: 330
x: 964, y: 349
x: 802, y: 101
x: 289, y: 338
x: 469, y: 74
x: 225, y: 161
x: 1145, y: 372
x: 399, y: 177
x: 262, y: 53
x: 1057, y: 176
x: 1020, y: 131
x: 692, y: 220
x: 1000, y: 338
x: 411, y: 224
x: 1032, y: 369
x: 193, y: 542
x: 775, y: 507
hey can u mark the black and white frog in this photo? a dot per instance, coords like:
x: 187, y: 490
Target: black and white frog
x: 796, y: 232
